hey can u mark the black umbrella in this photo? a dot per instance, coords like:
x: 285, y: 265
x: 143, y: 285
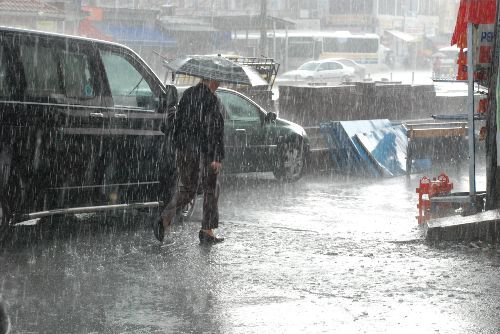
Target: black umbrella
x: 216, y: 68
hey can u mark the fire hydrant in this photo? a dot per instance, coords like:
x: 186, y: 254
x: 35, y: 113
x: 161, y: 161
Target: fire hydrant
x: 428, y: 189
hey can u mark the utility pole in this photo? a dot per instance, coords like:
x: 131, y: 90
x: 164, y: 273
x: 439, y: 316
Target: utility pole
x: 492, y: 176
x: 263, y: 28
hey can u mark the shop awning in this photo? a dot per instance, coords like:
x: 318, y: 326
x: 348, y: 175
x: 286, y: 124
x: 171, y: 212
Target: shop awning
x: 402, y: 36
x: 473, y: 11
x: 136, y: 34
x: 125, y: 34
x: 180, y: 23
x: 250, y: 22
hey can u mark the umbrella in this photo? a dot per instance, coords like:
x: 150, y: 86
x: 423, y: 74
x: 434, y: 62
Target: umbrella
x: 216, y: 68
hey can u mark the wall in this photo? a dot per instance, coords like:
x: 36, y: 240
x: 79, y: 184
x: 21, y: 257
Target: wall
x: 310, y: 106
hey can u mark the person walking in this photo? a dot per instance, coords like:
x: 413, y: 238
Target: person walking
x: 198, y: 136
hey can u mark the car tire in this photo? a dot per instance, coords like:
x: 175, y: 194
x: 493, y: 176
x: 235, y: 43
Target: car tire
x: 290, y: 162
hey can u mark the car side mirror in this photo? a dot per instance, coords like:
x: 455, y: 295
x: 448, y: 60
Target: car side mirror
x: 168, y: 99
x: 271, y: 117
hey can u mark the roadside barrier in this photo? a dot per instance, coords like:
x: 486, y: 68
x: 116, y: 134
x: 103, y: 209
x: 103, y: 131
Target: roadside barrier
x: 428, y: 188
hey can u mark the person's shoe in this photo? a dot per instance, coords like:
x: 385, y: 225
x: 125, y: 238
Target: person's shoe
x: 207, y: 238
x: 159, y: 230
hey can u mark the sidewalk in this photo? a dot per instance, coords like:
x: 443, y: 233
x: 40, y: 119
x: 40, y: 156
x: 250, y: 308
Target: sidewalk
x: 484, y: 226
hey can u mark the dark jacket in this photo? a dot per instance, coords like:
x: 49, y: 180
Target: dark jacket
x: 199, y: 123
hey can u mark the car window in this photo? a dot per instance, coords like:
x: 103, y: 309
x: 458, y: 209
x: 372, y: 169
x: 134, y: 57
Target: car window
x: 40, y: 64
x: 347, y: 62
x: 78, y: 81
x: 324, y: 67
x: 238, y: 108
x: 309, y: 66
x: 128, y: 86
x: 59, y: 71
x: 334, y: 66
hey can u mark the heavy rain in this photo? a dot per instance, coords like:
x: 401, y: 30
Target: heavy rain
x: 285, y: 166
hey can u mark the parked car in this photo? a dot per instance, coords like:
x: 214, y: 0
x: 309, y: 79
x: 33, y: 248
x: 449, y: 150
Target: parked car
x: 319, y: 71
x: 258, y: 141
x: 80, y: 124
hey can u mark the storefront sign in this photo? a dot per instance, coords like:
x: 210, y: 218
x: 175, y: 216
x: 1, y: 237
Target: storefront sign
x: 484, y: 37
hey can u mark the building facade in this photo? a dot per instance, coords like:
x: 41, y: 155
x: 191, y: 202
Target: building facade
x: 31, y: 14
x: 410, y: 29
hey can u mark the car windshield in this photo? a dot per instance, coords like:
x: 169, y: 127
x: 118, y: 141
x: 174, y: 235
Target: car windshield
x: 309, y: 66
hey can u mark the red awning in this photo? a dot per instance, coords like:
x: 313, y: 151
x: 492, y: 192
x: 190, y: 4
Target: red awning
x: 474, y: 11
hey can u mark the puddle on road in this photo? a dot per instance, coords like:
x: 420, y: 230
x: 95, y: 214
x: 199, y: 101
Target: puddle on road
x: 320, y: 255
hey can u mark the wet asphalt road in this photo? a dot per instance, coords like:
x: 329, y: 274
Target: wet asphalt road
x: 327, y: 254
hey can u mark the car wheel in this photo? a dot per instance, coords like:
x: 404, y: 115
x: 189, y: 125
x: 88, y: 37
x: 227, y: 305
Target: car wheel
x: 290, y: 160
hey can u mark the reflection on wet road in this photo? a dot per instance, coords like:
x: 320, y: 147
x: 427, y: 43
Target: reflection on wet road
x: 327, y: 254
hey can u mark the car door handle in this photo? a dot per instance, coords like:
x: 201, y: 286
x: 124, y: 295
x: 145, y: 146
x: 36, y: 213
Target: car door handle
x: 96, y: 115
x: 240, y: 130
x: 122, y: 116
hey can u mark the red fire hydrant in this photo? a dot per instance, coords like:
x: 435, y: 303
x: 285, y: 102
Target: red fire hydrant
x: 436, y: 187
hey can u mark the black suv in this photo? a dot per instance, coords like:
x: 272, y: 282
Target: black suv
x: 80, y: 127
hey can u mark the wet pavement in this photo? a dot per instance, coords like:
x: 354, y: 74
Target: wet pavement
x: 327, y: 254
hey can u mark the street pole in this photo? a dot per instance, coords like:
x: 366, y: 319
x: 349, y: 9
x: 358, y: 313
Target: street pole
x: 286, y: 48
x: 263, y: 28
x: 470, y: 113
x: 274, y: 39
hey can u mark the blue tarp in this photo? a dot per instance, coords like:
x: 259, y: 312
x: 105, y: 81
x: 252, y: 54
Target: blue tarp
x: 136, y: 34
x: 367, y: 147
x: 387, y: 149
x: 347, y: 152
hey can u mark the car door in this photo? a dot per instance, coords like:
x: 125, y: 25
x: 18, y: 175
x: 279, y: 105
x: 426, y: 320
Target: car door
x: 247, y: 142
x: 132, y: 164
x: 336, y: 71
x: 331, y: 71
x: 322, y: 72
x: 56, y: 121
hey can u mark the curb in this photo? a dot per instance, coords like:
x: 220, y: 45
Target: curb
x: 484, y: 226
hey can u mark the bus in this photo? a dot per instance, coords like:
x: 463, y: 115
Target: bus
x: 289, y: 49
x: 362, y: 48
x: 293, y: 48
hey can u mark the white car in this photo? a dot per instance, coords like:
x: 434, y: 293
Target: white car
x: 320, y: 72
x: 359, y: 70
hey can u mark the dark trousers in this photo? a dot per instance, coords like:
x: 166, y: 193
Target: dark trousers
x: 194, y: 175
